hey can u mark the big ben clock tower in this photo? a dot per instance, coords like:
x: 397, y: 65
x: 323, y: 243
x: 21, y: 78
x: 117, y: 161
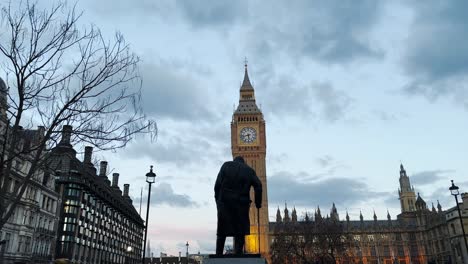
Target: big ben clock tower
x: 248, y: 140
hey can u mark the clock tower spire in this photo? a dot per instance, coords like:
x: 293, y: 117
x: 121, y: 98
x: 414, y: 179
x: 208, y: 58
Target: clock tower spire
x: 249, y: 141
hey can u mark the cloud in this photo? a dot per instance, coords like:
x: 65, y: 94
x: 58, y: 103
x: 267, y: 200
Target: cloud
x: 429, y: 177
x: 324, y: 161
x: 386, y: 116
x: 169, y: 92
x: 317, y: 99
x: 207, y: 245
x: 173, y: 149
x: 212, y: 13
x: 343, y: 191
x: 442, y: 194
x: 163, y: 194
x: 325, y: 31
x: 334, y: 103
x: 392, y: 200
x: 184, y: 144
x: 285, y: 97
x: 436, y: 58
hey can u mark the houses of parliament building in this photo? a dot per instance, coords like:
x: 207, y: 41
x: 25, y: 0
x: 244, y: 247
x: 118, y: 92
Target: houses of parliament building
x: 418, y: 235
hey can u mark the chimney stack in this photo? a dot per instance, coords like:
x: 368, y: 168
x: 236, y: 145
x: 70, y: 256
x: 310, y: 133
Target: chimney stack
x: 66, y: 134
x: 115, y: 180
x: 88, y: 153
x: 180, y: 255
x: 126, y: 189
x: 103, y: 169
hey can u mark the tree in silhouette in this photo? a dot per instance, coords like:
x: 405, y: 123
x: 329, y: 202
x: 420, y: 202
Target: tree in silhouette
x: 60, y: 73
x: 321, y: 241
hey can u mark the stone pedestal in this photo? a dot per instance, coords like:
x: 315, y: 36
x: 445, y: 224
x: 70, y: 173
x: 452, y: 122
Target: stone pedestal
x: 235, y: 259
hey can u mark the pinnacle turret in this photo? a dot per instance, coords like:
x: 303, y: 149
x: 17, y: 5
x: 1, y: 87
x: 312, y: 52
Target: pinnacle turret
x: 334, y: 213
x: 402, y: 170
x: 420, y: 203
x: 318, y: 214
x: 286, y: 214
x: 294, y: 215
x: 247, y: 103
x: 278, y: 216
x: 246, y: 85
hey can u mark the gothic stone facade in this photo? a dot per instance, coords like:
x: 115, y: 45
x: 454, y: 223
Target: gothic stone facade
x: 418, y: 235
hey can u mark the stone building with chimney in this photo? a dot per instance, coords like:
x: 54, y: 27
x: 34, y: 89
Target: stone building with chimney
x: 98, y: 223
x: 29, y: 235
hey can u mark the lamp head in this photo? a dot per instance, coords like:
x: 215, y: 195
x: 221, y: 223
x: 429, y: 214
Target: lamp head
x: 129, y: 249
x: 454, y: 189
x: 150, y: 176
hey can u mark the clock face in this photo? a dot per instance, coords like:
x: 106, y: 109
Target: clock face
x: 248, y: 134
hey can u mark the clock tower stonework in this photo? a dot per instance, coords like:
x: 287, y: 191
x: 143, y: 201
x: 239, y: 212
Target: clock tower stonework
x: 249, y: 141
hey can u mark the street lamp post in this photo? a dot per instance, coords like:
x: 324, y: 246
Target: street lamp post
x: 454, y: 191
x: 186, y: 255
x: 150, y: 179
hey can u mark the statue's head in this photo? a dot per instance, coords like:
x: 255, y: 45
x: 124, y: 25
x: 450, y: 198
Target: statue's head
x: 239, y: 159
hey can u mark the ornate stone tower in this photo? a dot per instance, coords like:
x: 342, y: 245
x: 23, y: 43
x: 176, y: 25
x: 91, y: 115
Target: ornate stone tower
x: 248, y: 140
x: 406, y: 192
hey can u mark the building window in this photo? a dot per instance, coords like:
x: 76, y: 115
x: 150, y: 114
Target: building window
x: 27, y: 245
x: 414, y: 250
x: 72, y: 192
x: 68, y: 209
x: 401, y: 252
x: 386, y: 251
x: 24, y: 217
x: 20, y: 244
x: 398, y: 237
x: 7, y: 241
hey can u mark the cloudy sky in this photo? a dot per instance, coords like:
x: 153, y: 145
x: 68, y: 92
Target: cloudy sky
x: 349, y: 89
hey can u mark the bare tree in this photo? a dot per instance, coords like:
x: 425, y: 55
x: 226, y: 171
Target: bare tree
x: 321, y: 241
x: 61, y: 73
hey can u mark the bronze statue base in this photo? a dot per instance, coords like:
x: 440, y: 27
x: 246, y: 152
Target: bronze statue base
x: 235, y: 259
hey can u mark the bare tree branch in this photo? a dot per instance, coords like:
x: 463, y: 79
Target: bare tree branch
x: 60, y: 75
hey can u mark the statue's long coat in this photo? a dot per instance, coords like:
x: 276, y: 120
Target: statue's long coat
x: 232, y: 190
